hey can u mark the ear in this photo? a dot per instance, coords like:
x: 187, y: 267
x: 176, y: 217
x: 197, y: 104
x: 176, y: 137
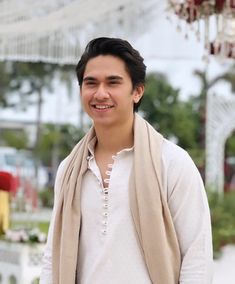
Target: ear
x: 138, y: 93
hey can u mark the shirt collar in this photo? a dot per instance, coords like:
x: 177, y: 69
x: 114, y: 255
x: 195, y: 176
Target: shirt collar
x: 91, y: 148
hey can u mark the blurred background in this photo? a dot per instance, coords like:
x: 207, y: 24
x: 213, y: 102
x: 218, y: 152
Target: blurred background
x: 189, y: 50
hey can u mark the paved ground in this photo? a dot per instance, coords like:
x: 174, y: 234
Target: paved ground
x: 42, y: 215
x: 224, y: 267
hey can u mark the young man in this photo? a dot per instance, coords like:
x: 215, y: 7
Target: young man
x: 130, y: 206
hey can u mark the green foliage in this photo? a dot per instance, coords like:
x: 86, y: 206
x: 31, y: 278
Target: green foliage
x: 16, y: 139
x: 61, y: 138
x: 43, y: 226
x: 22, y: 79
x: 28, y: 78
x: 46, y: 197
x: 207, y: 84
x: 158, y: 101
x: 197, y: 155
x: 37, y: 75
x: 36, y: 281
x: 162, y: 107
x: 69, y: 136
x: 222, y: 210
x: 185, y: 125
x: 230, y: 146
x: 12, y: 279
x: 5, y: 79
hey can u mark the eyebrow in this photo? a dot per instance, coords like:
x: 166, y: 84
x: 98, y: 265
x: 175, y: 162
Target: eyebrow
x: 112, y: 77
x: 89, y: 78
x: 115, y: 77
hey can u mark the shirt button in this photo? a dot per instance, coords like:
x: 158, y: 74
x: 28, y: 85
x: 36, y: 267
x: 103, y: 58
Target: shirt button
x: 105, y: 206
x: 104, y: 223
x: 105, y: 214
x: 104, y: 232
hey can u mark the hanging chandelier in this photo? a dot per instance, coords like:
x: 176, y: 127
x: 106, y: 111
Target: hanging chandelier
x: 221, y: 12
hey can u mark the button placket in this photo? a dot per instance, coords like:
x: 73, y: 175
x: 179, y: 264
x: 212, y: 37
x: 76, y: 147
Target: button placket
x: 105, y: 199
x: 104, y: 194
x: 105, y: 210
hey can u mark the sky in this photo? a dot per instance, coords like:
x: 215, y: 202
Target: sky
x: 164, y: 49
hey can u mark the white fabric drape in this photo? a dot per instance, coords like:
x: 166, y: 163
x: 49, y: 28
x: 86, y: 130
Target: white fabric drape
x: 57, y: 30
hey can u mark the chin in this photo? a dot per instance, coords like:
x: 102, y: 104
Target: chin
x: 107, y: 122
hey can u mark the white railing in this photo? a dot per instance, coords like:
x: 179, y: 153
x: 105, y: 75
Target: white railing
x: 20, y: 263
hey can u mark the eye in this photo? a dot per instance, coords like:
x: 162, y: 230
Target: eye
x: 89, y: 83
x: 114, y: 82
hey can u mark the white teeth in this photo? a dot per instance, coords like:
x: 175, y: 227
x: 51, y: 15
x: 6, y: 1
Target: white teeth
x: 102, y: 107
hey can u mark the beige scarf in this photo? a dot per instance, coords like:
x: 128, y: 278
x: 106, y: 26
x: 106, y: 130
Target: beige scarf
x: 151, y: 215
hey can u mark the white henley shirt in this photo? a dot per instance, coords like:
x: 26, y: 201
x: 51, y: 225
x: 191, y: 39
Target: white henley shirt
x: 108, y: 248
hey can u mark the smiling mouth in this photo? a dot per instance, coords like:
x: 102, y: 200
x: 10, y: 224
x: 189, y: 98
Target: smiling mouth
x: 101, y: 107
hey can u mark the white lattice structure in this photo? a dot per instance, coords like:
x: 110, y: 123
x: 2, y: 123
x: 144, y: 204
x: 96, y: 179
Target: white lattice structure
x: 20, y: 262
x: 220, y: 125
x: 56, y: 30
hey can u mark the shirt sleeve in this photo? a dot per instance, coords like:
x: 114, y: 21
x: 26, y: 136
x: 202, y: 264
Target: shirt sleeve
x: 46, y: 272
x: 189, y: 208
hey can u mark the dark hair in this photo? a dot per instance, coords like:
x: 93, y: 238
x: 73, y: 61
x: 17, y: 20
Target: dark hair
x: 117, y: 47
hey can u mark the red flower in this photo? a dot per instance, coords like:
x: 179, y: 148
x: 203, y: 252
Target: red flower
x: 219, y: 5
x: 198, y: 2
x: 227, y: 49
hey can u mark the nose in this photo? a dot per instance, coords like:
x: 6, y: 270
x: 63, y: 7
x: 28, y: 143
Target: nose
x: 101, y: 93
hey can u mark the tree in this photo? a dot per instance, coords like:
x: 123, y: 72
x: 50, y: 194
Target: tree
x: 67, y: 76
x: 32, y: 78
x: 200, y: 100
x: 186, y: 125
x: 56, y: 143
x: 5, y: 81
x: 206, y: 84
x: 16, y: 139
x: 158, y: 100
x: 230, y: 145
x: 162, y: 107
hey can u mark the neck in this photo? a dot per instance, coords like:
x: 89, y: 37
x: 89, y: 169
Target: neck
x: 113, y: 139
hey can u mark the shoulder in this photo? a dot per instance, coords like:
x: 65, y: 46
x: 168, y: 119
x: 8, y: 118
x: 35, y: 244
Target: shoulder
x: 178, y: 169
x: 173, y: 155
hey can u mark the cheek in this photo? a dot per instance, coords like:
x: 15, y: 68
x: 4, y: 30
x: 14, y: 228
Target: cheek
x: 84, y: 101
x: 85, y: 96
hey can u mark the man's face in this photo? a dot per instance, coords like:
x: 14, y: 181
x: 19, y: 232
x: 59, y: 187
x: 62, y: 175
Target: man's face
x: 107, y: 92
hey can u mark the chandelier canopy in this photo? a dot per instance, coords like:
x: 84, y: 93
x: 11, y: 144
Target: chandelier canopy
x: 193, y: 12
